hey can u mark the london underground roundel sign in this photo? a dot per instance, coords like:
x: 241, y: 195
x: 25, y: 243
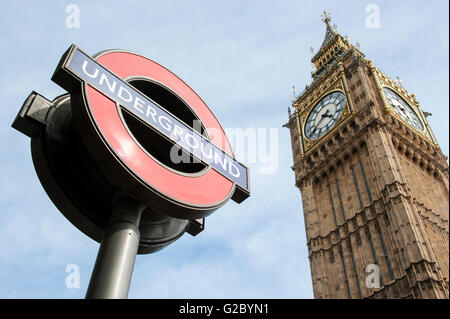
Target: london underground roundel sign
x: 107, y: 93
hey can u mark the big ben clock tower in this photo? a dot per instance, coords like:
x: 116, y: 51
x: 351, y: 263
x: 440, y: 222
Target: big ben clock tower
x: 373, y: 180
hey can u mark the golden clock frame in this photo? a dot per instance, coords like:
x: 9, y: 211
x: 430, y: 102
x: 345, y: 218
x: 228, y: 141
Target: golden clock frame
x: 339, y: 85
x: 383, y: 80
x: 392, y: 111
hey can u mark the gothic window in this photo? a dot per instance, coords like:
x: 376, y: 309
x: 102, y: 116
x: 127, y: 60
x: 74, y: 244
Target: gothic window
x: 358, y: 239
x: 346, y: 229
x: 386, y: 220
x: 309, y: 161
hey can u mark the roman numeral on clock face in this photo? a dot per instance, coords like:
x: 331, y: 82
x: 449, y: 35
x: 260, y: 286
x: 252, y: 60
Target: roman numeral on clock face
x: 324, y: 115
x: 402, y: 108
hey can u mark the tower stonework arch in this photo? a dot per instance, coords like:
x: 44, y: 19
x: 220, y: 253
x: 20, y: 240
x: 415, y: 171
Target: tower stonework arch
x: 373, y: 180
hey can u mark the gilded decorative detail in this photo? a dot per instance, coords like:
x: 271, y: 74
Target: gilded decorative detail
x: 336, y: 82
x: 383, y: 80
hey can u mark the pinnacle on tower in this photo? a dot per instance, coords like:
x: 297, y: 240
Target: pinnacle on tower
x: 330, y: 31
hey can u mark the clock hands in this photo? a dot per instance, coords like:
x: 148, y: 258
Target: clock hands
x: 321, y: 119
x: 406, y: 113
x: 403, y: 109
x: 324, y: 115
x: 408, y: 116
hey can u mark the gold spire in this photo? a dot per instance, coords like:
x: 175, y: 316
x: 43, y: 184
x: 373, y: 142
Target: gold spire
x: 326, y: 18
x: 330, y: 31
x: 332, y: 46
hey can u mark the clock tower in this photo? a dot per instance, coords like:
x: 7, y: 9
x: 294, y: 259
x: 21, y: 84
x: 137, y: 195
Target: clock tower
x: 373, y: 180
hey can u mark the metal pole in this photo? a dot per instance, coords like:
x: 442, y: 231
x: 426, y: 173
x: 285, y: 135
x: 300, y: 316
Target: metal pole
x: 114, y: 265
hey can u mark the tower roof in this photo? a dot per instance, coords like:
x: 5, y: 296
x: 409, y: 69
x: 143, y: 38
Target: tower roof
x: 333, y: 49
x: 330, y: 32
x: 330, y: 35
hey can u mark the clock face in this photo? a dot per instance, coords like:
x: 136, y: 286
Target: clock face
x: 324, y: 115
x: 403, y: 109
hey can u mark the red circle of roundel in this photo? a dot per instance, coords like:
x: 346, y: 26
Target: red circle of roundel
x: 209, y: 189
